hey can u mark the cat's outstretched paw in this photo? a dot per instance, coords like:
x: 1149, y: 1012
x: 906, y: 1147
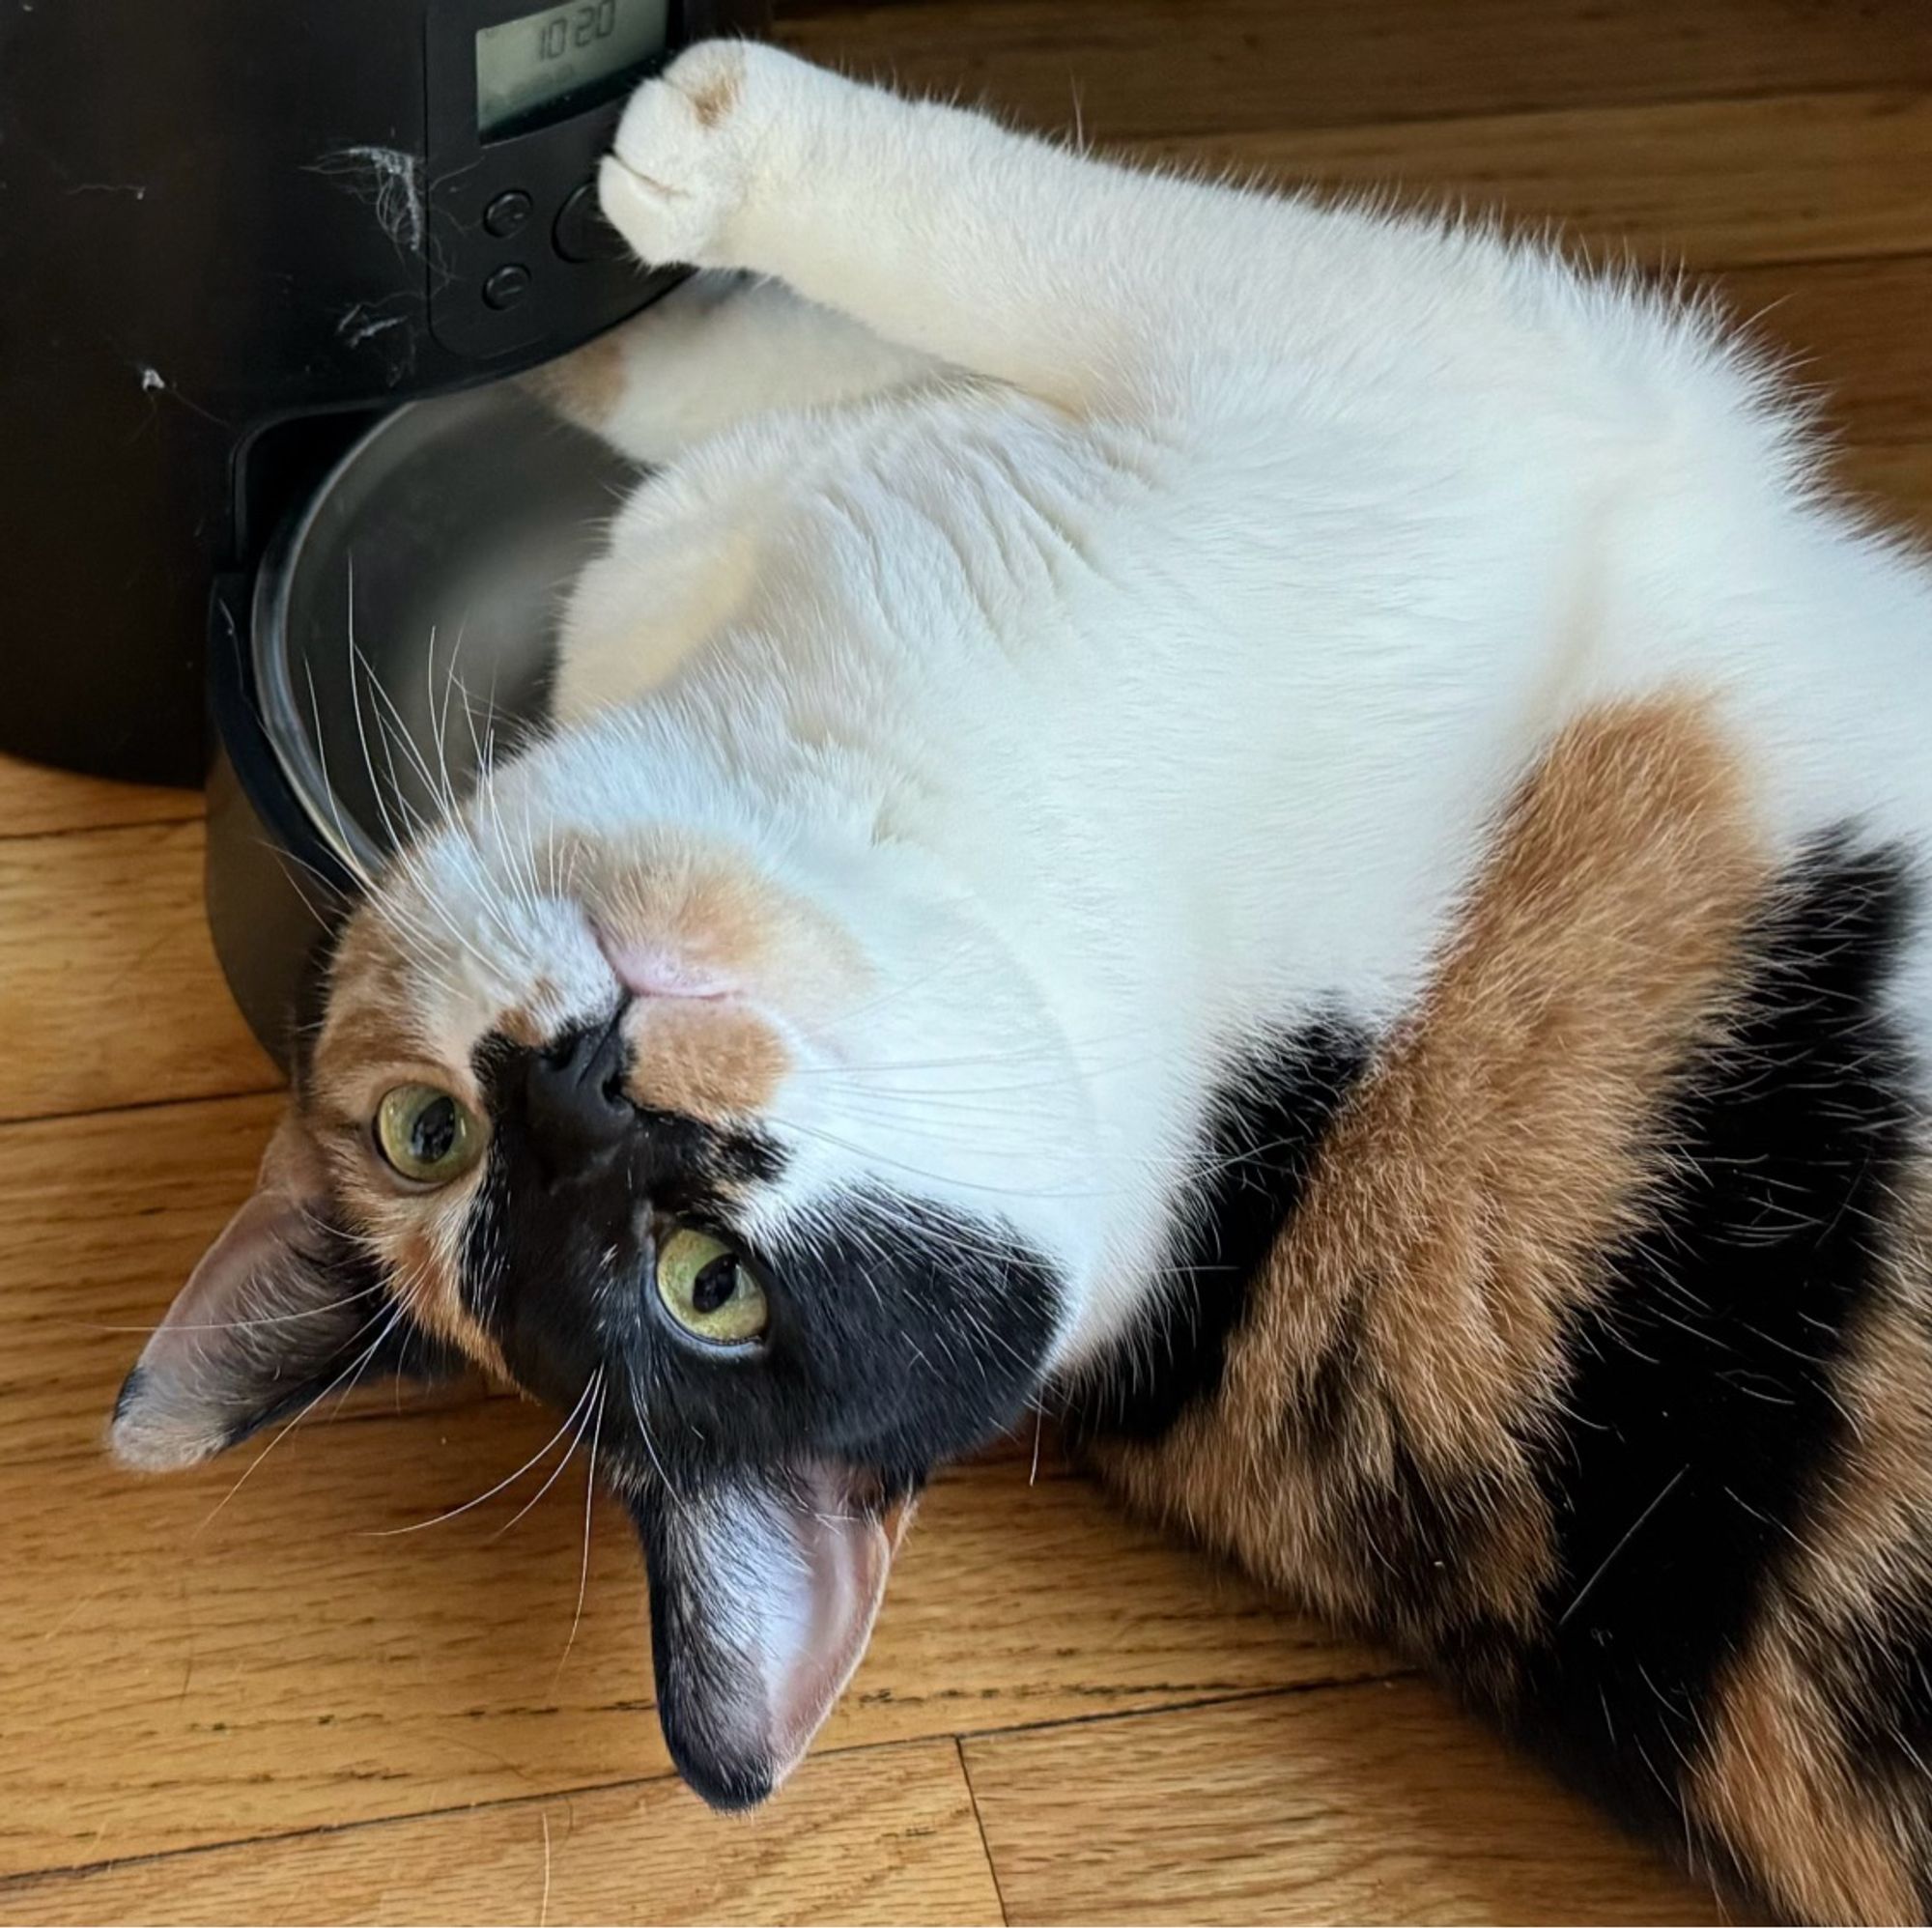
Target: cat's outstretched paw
x: 681, y: 163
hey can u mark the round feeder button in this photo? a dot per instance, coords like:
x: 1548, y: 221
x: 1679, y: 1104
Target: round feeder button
x: 581, y: 233
x: 506, y: 214
x: 509, y: 286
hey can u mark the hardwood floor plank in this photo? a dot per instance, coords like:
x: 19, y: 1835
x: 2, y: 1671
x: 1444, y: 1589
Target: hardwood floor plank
x: 1378, y: 1802
x: 109, y: 991
x: 1894, y: 482
x: 1149, y: 66
x: 35, y: 801
x: 1714, y: 184
x: 885, y: 1835
x: 103, y: 1217
x: 1857, y: 332
x: 181, y: 1668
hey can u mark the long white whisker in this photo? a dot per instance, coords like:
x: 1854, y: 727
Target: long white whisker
x: 589, y: 1498
x: 393, y: 1532
x: 556, y: 1472
x: 351, y: 1373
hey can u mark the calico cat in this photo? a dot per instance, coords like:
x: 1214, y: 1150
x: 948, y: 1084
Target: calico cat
x: 1295, y: 830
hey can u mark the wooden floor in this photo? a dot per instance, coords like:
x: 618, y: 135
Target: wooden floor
x: 225, y: 1698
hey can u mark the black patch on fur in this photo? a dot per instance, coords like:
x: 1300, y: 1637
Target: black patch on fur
x: 1268, y: 1119
x: 901, y: 1334
x: 1700, y: 1411
x: 1886, y: 1710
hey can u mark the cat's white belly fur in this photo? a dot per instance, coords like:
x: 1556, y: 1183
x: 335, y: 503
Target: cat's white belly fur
x: 1195, y: 691
x: 1217, y: 719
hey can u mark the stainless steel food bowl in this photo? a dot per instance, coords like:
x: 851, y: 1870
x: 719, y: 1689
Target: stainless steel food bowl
x: 403, y: 617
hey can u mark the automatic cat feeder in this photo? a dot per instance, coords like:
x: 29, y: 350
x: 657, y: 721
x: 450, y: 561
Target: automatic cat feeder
x: 265, y: 262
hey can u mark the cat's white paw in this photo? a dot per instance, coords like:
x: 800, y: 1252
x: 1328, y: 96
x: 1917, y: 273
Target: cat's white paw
x: 679, y: 167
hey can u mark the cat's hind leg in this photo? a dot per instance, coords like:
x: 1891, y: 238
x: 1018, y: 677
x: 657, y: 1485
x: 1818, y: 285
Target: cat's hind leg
x: 718, y: 349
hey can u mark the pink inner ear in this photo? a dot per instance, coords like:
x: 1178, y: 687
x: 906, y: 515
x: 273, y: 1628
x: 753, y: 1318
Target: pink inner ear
x: 846, y: 1557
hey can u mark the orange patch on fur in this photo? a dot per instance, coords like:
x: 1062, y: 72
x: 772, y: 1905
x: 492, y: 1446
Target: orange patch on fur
x: 1772, y: 1785
x: 716, y: 1062
x: 369, y: 1022
x: 527, y: 1024
x: 418, y: 1239
x: 584, y: 386
x: 721, y: 921
x: 1453, y: 1220
x: 716, y: 94
x: 1866, y: 1537
x: 1840, y: 1846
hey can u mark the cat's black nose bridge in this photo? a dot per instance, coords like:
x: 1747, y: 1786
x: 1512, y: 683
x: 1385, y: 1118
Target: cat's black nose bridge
x: 575, y: 1104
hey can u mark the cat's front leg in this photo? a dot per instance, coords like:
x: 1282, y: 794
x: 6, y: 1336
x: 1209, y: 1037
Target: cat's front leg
x: 935, y: 228
x: 714, y: 352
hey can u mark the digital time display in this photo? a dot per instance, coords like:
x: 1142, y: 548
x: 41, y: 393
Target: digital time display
x: 541, y: 62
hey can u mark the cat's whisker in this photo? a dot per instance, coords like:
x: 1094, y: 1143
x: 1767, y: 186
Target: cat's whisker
x: 1029, y: 1053
x: 644, y: 1432
x: 939, y: 1178
x: 336, y: 899
x: 903, y: 987
x: 452, y: 682
x: 932, y: 1177
x: 345, y: 845
x: 436, y: 716
x: 231, y: 1324
x: 393, y: 724
x: 351, y: 1372
x: 455, y: 1512
x: 577, y: 1439
x: 395, y: 839
x: 589, y: 1503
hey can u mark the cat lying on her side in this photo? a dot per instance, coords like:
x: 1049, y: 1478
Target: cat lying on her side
x: 1293, y: 830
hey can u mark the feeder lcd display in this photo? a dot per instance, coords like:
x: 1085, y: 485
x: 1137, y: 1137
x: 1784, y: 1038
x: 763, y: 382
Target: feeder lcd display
x: 530, y: 67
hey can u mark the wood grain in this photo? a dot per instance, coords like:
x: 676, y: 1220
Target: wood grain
x: 105, y: 1214
x: 1377, y: 1802
x: 109, y: 991
x: 270, y: 1665
x: 886, y: 1835
x: 33, y: 801
x: 1154, y: 66
x: 1717, y: 183
x: 1852, y: 334
x: 1892, y: 482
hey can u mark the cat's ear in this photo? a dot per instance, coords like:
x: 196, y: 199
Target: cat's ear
x: 269, y: 1311
x: 763, y: 1596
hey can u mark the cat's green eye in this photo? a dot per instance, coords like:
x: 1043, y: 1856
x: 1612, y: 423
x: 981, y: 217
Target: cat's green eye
x: 425, y: 1135
x: 708, y: 1288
